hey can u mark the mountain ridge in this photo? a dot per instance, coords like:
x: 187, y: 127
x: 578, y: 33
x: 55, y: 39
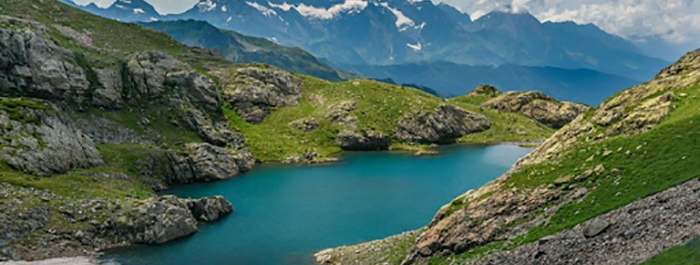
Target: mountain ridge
x: 411, y: 31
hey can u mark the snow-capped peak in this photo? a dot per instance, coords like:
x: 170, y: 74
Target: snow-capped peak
x: 206, y: 5
x: 263, y: 9
x: 402, y: 21
x: 349, y: 6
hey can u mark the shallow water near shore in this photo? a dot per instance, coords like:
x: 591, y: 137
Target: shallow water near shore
x: 283, y: 214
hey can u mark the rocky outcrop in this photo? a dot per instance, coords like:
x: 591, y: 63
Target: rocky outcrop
x: 485, y: 90
x: 443, y: 124
x: 157, y: 221
x: 198, y: 162
x: 354, y: 141
x: 96, y: 223
x: 38, y: 139
x: 32, y: 65
x: 210, y: 208
x: 211, y: 163
x: 254, y: 92
x: 538, y: 106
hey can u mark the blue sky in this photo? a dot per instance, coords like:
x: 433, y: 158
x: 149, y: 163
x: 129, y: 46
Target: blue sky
x: 675, y: 21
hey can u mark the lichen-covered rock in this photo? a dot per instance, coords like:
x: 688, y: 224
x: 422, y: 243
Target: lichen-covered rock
x: 354, y: 141
x: 210, y: 208
x: 538, y: 106
x: 32, y: 65
x: 253, y: 92
x: 38, y: 139
x: 443, y: 124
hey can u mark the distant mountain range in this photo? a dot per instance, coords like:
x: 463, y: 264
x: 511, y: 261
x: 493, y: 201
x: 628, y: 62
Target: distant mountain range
x: 387, y: 32
x: 390, y: 38
x: 450, y: 79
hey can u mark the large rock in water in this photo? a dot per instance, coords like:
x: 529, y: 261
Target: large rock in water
x: 353, y: 141
x: 255, y: 91
x: 443, y: 124
x: 38, y: 139
x: 156, y: 221
x: 210, y: 208
x: 538, y: 106
x: 32, y: 65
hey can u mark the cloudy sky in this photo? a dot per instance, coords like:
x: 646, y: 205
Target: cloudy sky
x: 675, y: 21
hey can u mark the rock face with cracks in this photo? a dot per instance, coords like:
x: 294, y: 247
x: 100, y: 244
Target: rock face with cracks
x: 443, y: 124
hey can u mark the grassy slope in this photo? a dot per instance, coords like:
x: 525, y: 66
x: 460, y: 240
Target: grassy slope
x: 379, y: 107
x: 647, y: 164
x: 637, y: 167
x: 688, y: 254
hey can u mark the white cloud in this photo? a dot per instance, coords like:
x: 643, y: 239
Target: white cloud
x: 676, y: 21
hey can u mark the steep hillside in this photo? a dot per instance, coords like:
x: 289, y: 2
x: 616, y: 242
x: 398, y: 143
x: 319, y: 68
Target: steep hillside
x: 243, y: 49
x: 92, y: 127
x: 616, y: 186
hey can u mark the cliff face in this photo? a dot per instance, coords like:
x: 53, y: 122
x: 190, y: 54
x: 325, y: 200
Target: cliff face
x: 611, y: 187
x: 87, y: 135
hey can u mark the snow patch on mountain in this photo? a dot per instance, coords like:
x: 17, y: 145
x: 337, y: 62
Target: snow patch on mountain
x: 349, y: 6
x: 263, y: 9
x: 138, y: 11
x: 415, y: 47
x: 402, y: 21
x: 206, y: 6
x: 224, y: 9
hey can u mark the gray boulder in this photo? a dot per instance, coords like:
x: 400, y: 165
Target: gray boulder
x: 443, y: 124
x: 156, y: 221
x: 254, y: 92
x: 210, y: 208
x: 353, y: 141
x: 40, y: 140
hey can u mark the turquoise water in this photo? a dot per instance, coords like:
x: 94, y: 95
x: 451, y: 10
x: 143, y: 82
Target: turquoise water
x: 283, y: 214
